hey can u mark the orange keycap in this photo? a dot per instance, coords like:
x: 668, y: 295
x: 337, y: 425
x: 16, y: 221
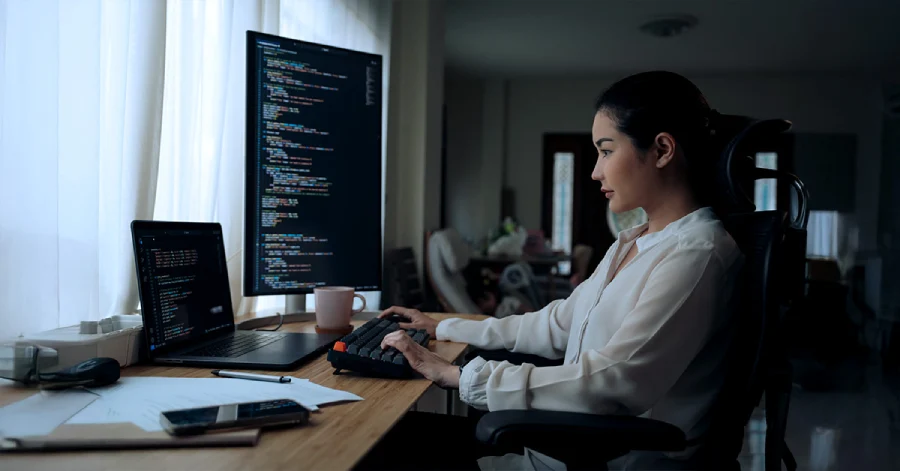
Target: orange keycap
x: 340, y: 347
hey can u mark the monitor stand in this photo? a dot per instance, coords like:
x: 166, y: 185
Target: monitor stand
x: 295, y: 311
x: 294, y: 303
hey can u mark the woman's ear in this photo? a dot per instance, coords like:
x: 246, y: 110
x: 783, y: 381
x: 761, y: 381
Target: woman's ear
x: 665, y: 149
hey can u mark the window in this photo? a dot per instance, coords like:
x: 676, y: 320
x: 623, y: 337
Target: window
x: 822, y: 234
x: 133, y: 110
x: 563, y: 163
x: 823, y: 231
x: 766, y: 189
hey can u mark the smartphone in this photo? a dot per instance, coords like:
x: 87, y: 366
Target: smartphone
x: 232, y: 416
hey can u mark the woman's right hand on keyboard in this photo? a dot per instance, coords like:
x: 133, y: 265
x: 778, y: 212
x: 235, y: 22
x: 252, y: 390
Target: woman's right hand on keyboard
x: 417, y: 320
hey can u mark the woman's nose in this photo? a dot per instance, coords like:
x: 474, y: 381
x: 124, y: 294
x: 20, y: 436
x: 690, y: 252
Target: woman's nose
x: 597, y: 174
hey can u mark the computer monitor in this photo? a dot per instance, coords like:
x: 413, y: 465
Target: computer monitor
x: 313, y: 188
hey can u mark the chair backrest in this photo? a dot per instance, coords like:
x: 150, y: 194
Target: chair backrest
x: 401, y: 280
x: 759, y: 236
x: 447, y: 255
x: 771, y: 247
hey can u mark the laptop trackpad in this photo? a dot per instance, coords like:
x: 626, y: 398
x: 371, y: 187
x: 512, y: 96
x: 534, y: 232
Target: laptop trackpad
x: 292, y: 349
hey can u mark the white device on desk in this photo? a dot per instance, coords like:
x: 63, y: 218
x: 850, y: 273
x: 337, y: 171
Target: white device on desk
x: 20, y: 359
x: 117, y: 337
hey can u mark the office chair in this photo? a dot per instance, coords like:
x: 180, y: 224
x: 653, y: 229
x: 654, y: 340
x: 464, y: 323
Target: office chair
x: 401, y: 281
x: 774, y: 248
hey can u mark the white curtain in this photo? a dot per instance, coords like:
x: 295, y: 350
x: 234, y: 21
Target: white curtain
x: 202, y: 156
x: 201, y: 163
x: 114, y: 110
x: 81, y: 100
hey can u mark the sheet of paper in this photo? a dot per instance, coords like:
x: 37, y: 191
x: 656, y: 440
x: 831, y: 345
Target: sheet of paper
x: 41, y: 413
x: 141, y: 400
x: 321, y: 394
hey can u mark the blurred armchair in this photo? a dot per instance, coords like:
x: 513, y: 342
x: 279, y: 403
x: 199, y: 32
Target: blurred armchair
x: 447, y: 255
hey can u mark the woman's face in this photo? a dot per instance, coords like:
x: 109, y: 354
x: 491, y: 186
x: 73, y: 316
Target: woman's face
x: 627, y: 174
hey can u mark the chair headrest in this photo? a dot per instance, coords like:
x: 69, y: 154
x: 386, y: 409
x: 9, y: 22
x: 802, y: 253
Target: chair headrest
x: 451, y: 249
x: 740, y: 138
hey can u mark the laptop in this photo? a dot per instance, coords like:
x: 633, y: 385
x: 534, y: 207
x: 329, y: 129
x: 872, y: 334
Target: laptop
x: 186, y: 304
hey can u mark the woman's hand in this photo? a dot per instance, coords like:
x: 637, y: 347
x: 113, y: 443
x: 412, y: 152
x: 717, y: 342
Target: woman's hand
x: 417, y: 320
x: 424, y: 361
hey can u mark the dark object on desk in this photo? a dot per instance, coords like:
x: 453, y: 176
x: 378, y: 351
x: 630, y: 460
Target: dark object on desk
x: 93, y: 372
x: 772, y: 243
x: 361, y: 351
x: 279, y: 412
x: 206, y: 314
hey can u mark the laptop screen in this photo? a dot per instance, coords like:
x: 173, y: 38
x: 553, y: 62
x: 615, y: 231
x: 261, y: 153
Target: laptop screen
x: 183, y: 282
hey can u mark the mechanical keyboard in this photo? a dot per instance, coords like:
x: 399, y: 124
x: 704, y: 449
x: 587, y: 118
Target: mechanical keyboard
x: 361, y: 352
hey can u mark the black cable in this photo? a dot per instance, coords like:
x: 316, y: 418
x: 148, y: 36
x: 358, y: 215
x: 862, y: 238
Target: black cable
x: 280, y: 323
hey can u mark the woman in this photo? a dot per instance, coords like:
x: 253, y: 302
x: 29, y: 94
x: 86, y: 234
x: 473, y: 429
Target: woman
x: 646, y: 333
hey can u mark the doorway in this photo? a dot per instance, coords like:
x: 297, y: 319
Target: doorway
x: 573, y: 209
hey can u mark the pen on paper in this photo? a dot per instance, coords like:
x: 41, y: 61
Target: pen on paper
x: 251, y: 376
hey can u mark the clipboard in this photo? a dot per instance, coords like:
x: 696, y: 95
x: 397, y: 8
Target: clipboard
x: 122, y: 436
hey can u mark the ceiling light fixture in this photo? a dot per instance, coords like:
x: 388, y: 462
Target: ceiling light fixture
x: 669, y: 26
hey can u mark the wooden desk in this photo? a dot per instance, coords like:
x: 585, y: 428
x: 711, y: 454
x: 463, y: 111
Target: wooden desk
x: 337, y: 438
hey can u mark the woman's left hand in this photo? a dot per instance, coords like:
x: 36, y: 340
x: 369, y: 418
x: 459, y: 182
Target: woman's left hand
x: 424, y: 361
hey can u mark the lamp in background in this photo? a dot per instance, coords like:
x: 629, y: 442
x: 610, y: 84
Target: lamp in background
x: 669, y: 26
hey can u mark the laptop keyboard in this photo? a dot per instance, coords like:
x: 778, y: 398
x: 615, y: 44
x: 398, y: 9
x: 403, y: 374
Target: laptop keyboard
x: 237, y: 345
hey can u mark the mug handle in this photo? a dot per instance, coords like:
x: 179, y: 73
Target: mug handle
x: 361, y: 298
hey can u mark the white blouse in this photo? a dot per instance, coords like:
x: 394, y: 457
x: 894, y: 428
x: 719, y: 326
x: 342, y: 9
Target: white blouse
x: 651, y: 342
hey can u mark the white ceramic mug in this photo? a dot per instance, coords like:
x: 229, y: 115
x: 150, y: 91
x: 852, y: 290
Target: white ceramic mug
x: 334, y: 306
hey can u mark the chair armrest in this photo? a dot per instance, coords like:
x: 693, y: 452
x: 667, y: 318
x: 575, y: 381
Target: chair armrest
x: 555, y: 431
x: 514, y: 358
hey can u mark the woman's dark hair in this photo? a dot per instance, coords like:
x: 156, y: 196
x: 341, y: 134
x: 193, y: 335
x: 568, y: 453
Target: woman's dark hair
x: 646, y: 104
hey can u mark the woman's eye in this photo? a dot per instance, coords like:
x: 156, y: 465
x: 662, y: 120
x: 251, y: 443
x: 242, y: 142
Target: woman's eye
x: 605, y: 153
